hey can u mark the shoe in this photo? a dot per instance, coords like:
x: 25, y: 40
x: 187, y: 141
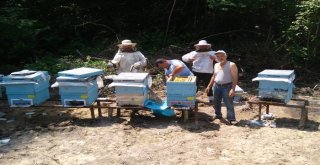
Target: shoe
x: 214, y: 118
x: 210, y: 99
x: 232, y: 122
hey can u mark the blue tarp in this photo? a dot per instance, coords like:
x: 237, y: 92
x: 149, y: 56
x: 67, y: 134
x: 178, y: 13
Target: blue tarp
x: 159, y: 108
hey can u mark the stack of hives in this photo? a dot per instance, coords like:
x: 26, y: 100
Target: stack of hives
x: 131, y: 88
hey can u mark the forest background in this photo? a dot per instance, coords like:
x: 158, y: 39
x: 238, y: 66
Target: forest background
x: 55, y: 35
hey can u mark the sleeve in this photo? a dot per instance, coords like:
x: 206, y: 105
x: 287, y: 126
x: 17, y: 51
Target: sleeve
x: 117, y: 58
x: 212, y: 55
x: 188, y: 56
x: 142, y: 59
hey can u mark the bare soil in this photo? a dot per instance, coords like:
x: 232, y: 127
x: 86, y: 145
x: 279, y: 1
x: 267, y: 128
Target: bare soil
x: 70, y: 136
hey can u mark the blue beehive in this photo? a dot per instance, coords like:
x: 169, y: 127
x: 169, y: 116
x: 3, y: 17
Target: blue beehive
x: 131, y: 88
x: 1, y: 88
x: 26, y: 88
x: 181, y: 91
x: 275, y: 85
x: 78, y: 87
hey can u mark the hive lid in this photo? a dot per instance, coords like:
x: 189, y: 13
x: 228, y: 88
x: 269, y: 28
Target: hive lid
x: 81, y: 72
x: 26, y: 75
x: 128, y: 76
x: 276, y: 73
x: 23, y: 73
x: 74, y: 79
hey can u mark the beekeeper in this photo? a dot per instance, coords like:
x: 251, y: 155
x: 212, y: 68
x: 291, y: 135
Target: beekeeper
x: 173, y: 67
x: 202, y: 59
x: 128, y: 59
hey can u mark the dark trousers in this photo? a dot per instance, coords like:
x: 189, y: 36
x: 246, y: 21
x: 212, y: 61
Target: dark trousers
x: 203, y: 79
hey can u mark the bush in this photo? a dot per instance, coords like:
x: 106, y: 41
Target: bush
x: 54, y: 65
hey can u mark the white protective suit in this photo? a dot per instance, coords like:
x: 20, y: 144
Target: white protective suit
x: 202, y: 62
x: 127, y: 60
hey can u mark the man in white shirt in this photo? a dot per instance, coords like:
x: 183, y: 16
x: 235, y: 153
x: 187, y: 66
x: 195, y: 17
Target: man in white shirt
x: 202, y: 60
x: 224, y: 82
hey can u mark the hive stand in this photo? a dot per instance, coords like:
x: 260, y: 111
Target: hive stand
x: 107, y: 103
x: 303, y: 107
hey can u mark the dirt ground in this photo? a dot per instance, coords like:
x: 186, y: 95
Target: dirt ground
x: 70, y: 136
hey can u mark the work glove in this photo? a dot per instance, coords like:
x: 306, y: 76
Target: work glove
x: 137, y: 65
x: 110, y: 65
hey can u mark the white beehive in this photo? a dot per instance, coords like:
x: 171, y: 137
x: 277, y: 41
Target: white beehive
x: 131, y: 88
x: 275, y: 85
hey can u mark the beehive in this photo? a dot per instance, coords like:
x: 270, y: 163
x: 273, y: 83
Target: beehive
x: 26, y: 88
x: 1, y: 87
x: 131, y: 88
x: 275, y: 85
x: 181, y: 91
x: 78, y: 87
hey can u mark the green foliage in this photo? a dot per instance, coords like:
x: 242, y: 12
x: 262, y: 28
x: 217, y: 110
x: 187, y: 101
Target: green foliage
x: 43, y: 33
x: 19, y: 33
x: 54, y: 65
x: 154, y: 41
x: 304, y: 34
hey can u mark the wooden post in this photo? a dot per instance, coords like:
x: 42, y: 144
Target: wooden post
x: 196, y: 114
x: 110, y: 112
x: 99, y: 108
x: 186, y: 115
x: 92, y: 112
x: 304, y: 115
x: 260, y: 106
x: 118, y: 112
x: 267, y: 109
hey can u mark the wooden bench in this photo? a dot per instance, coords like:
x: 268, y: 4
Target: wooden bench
x: 303, y: 107
x: 107, y: 103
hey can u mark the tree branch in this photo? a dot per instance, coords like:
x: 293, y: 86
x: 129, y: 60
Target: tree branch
x: 97, y: 24
x: 169, y: 19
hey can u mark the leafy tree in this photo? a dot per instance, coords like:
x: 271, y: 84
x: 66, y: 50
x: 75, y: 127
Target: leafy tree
x: 303, y: 35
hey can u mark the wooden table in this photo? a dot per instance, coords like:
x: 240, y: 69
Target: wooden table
x: 303, y: 107
x: 107, y: 103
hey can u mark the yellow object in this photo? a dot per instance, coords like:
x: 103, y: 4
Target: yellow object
x: 84, y: 96
x: 31, y: 96
x: 190, y: 98
x: 180, y: 79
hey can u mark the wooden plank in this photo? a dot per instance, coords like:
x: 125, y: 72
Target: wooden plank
x: 276, y: 104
